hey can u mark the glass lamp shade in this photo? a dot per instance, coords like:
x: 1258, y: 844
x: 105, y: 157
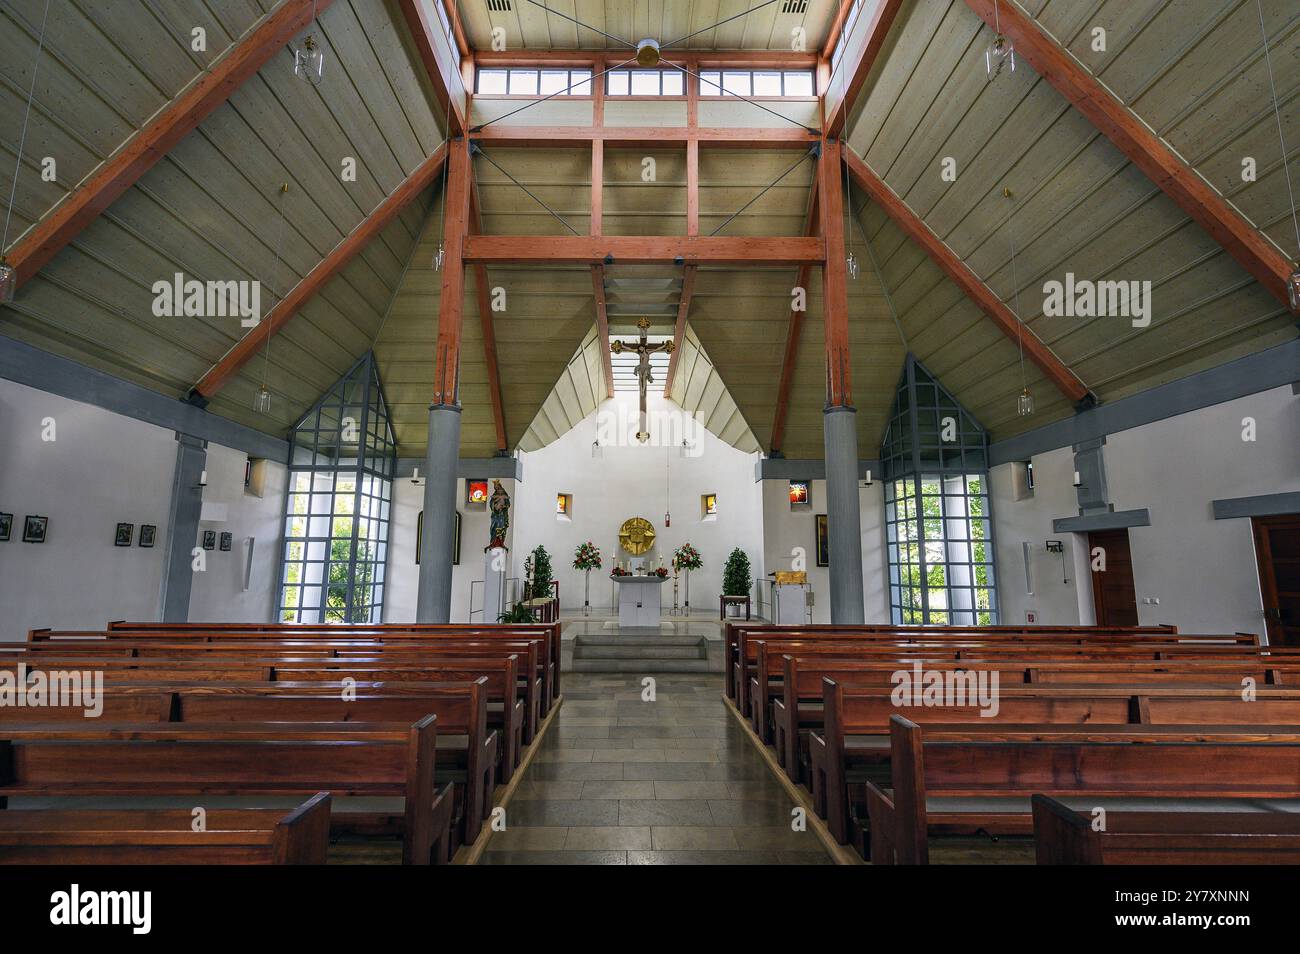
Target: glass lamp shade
x: 684, y: 450
x: 852, y: 264
x: 597, y: 451
x: 668, y: 520
x: 1025, y: 403
x: 262, y: 400
x: 999, y: 54
x: 1292, y: 289
x: 309, y: 62
x: 439, y: 257
x: 9, y: 283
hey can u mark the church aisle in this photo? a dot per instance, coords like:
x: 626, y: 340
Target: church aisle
x: 619, y: 781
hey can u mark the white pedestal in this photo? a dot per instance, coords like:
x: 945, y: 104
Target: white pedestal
x: 640, y: 601
x: 495, y: 564
x: 790, y: 600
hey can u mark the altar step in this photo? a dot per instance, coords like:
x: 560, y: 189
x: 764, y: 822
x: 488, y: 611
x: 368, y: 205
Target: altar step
x: 625, y: 653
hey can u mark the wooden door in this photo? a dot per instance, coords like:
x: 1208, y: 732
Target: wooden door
x: 1113, y: 594
x: 1277, y: 548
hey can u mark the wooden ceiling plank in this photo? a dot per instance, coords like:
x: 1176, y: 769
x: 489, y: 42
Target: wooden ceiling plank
x: 679, y: 330
x: 422, y: 32
x: 143, y: 150
x: 1143, y: 147
x: 249, y: 345
x: 971, y: 284
x: 602, y: 327
x: 877, y: 30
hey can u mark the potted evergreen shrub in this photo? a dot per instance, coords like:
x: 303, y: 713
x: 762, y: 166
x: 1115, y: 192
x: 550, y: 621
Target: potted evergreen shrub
x: 736, y: 578
x: 542, y: 574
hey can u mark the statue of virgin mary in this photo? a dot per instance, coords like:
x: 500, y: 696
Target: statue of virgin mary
x: 499, y: 516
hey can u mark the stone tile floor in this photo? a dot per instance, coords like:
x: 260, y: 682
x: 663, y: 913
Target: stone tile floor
x: 619, y: 780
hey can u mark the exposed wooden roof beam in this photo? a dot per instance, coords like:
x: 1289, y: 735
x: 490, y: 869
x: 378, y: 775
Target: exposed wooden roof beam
x: 423, y: 32
x: 852, y: 74
x: 679, y: 330
x: 951, y: 265
x: 749, y: 59
x: 549, y: 137
x: 793, y: 333
x: 642, y: 250
x: 1143, y: 147
x: 487, y: 326
x: 356, y: 240
x: 602, y: 327
x: 143, y: 150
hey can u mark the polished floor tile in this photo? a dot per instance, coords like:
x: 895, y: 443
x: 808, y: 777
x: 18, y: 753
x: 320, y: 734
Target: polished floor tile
x: 620, y: 780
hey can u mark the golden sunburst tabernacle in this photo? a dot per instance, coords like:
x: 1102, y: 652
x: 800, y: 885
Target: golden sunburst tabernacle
x: 636, y: 536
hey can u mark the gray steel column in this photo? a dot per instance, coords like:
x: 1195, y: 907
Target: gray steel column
x: 843, y: 517
x: 434, y: 600
x: 183, y: 528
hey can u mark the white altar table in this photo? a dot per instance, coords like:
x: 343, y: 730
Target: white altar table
x: 640, y: 601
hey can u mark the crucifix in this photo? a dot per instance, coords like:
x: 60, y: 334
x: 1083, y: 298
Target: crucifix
x: 644, y: 349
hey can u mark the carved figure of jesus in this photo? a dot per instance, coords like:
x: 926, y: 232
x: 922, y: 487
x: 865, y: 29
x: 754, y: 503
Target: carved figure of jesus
x: 644, y: 374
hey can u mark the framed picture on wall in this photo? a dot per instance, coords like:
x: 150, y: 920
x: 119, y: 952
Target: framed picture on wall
x: 226, y: 540
x: 823, y: 541
x: 125, y: 534
x: 6, y: 526
x: 34, y: 528
x: 710, y: 502
x: 476, y: 491
x: 209, y: 539
x: 147, y: 533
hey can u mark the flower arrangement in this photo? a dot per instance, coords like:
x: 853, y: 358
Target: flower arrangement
x: 586, y: 557
x: 687, y: 558
x: 661, y: 572
x: 619, y: 571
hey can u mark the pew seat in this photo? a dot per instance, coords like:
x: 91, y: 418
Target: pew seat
x: 245, y: 836
x: 1063, y: 836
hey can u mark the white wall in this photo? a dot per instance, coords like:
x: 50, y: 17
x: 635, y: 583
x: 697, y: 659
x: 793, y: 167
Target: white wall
x: 791, y: 531
x: 629, y: 480
x: 100, y: 470
x: 404, y: 574
x: 1202, y: 570
x: 218, y: 592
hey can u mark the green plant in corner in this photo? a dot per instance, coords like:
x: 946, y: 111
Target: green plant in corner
x: 519, y: 613
x: 541, y: 588
x: 736, y: 578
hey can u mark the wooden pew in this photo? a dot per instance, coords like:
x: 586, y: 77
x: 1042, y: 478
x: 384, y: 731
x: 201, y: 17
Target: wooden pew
x: 217, y: 659
x: 232, y: 836
x: 549, y: 631
x: 770, y: 675
x: 251, y: 760
x: 1063, y: 836
x: 1016, y: 762
x: 766, y: 674
x: 533, y: 650
x: 739, y: 664
x: 857, y: 717
x: 461, y: 708
x: 734, y: 634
